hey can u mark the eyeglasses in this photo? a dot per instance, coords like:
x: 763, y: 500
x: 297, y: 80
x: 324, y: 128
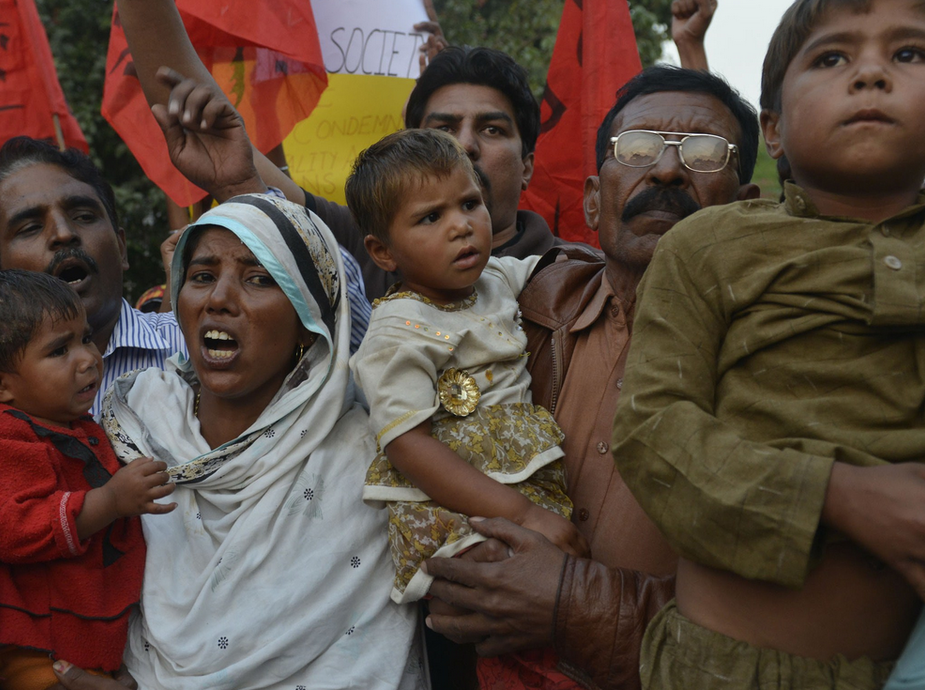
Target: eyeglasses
x: 703, y: 153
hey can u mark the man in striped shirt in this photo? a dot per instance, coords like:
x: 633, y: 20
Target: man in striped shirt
x: 58, y: 216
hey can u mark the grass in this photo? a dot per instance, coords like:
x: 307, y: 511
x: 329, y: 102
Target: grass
x: 766, y: 174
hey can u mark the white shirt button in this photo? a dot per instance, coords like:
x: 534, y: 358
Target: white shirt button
x: 893, y: 262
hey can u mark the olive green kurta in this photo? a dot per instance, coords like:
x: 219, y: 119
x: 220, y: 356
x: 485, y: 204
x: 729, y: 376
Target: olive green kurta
x: 769, y: 342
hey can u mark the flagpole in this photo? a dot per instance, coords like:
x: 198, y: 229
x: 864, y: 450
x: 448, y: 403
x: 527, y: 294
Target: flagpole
x: 59, y: 135
x: 29, y: 17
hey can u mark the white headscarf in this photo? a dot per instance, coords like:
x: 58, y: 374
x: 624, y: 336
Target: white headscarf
x: 271, y: 573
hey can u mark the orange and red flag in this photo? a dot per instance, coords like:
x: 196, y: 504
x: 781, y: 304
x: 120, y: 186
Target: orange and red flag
x: 265, y: 56
x: 31, y: 100
x: 595, y: 54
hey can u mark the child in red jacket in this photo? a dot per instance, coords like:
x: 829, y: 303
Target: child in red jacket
x: 71, y: 551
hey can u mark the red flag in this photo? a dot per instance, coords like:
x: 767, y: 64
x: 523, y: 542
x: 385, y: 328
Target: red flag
x: 595, y: 55
x: 31, y: 100
x: 264, y: 54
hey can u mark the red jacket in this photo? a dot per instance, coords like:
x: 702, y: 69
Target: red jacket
x: 57, y: 593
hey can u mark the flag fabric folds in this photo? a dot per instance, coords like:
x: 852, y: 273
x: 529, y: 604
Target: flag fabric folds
x: 265, y: 56
x: 31, y: 100
x: 595, y: 54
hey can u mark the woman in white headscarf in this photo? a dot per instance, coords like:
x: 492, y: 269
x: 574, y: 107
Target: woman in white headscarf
x: 271, y: 573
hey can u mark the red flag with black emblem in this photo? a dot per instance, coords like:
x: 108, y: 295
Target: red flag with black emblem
x: 31, y: 100
x: 595, y: 54
x: 264, y: 54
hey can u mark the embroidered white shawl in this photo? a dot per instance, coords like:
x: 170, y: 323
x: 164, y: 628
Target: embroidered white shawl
x: 271, y: 572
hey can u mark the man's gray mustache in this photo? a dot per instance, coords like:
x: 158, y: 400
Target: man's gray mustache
x: 660, y: 199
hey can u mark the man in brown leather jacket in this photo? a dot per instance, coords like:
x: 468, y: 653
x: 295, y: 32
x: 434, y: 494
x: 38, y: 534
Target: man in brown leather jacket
x: 578, y: 312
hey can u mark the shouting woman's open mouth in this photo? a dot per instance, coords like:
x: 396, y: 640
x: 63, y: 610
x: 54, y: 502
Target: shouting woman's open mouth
x: 219, y: 346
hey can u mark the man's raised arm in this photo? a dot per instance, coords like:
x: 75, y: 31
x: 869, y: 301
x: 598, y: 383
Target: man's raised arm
x: 690, y: 20
x: 156, y: 36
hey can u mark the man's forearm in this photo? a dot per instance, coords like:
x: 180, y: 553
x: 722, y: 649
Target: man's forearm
x: 692, y: 55
x: 601, y: 615
x: 156, y: 36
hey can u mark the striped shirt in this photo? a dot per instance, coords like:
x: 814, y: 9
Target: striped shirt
x: 139, y: 341
x: 360, y: 309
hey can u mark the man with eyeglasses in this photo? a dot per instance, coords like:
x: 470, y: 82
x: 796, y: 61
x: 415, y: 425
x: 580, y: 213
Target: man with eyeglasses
x: 674, y: 142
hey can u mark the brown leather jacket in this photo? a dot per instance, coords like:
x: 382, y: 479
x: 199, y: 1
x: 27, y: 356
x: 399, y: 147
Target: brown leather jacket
x: 601, y: 613
x: 555, y: 295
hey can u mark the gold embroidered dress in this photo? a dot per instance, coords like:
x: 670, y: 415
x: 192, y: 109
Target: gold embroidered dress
x: 463, y: 366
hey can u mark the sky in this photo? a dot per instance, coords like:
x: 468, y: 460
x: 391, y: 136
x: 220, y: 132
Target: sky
x: 737, y: 40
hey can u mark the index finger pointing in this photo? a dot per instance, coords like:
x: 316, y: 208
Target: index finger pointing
x: 428, y: 27
x: 169, y: 76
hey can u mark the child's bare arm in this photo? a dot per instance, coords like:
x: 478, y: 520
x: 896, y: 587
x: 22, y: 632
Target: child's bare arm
x: 131, y: 491
x: 455, y: 484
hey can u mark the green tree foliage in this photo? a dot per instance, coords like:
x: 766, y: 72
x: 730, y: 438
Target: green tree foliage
x: 527, y: 30
x: 652, y: 24
x: 78, y: 31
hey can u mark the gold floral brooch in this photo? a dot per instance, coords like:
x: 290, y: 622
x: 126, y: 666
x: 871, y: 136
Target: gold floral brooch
x: 459, y: 393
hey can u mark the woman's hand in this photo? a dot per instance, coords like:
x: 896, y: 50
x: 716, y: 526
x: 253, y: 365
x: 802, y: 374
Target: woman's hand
x: 205, y: 137
x: 556, y: 529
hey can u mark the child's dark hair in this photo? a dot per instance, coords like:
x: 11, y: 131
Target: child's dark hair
x: 27, y: 298
x: 382, y: 173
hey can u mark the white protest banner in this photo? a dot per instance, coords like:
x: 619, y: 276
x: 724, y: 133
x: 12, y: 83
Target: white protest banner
x: 370, y: 51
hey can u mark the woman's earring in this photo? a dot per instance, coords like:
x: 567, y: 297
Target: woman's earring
x: 300, y: 350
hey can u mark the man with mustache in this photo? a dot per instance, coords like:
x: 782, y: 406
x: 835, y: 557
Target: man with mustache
x: 655, y: 168
x: 58, y: 216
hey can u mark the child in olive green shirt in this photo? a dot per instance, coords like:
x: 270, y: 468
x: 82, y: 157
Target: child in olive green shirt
x: 775, y: 342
